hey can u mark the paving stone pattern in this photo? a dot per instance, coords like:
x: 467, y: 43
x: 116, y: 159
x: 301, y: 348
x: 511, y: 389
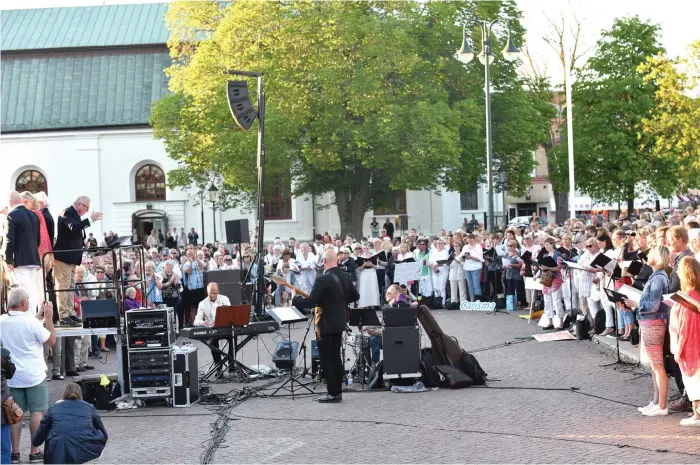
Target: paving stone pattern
x: 527, y: 414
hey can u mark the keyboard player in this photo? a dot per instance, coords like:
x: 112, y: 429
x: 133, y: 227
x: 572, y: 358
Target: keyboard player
x: 206, y: 315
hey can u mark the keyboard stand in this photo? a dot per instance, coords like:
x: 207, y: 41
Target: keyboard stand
x: 228, y: 357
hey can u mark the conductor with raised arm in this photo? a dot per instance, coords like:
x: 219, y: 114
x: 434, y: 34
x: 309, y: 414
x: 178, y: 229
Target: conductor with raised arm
x: 330, y: 296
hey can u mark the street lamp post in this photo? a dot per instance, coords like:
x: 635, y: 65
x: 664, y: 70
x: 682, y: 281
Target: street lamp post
x: 201, y: 202
x: 503, y: 177
x: 486, y: 57
x: 213, y: 196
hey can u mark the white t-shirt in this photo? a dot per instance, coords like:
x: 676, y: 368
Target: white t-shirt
x: 23, y: 335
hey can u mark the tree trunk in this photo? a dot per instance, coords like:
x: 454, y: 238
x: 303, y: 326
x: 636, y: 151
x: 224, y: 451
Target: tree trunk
x: 353, y: 201
x: 561, y: 200
x: 630, y: 200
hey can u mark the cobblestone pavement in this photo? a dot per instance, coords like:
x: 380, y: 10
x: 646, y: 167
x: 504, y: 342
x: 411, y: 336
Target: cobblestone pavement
x: 527, y: 414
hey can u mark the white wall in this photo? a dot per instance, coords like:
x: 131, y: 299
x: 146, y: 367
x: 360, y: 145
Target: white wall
x: 102, y: 165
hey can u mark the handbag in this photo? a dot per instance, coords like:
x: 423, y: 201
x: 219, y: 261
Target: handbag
x: 13, y: 412
x: 453, y: 377
x: 547, y: 278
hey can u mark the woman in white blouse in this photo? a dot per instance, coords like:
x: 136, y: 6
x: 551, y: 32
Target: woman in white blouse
x: 588, y: 297
x: 472, y: 262
x: 404, y: 252
x: 441, y: 272
x: 306, y: 261
x: 367, y: 280
x: 458, y: 285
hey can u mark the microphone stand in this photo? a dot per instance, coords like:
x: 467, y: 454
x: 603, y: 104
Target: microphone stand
x: 619, y: 361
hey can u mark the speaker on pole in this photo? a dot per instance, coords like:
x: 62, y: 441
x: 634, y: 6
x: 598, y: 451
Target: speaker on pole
x: 239, y: 102
x: 401, y: 222
x: 237, y: 231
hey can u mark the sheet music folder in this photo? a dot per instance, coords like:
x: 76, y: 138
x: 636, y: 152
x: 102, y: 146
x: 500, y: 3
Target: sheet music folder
x: 232, y: 315
x: 286, y: 315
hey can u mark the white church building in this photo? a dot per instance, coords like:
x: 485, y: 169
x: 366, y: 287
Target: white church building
x: 77, y: 88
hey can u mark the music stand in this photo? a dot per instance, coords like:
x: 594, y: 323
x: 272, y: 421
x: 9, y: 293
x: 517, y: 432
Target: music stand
x: 231, y: 316
x: 288, y: 316
x: 363, y: 317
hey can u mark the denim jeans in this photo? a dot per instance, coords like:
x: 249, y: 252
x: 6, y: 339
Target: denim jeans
x: 6, y: 445
x: 624, y: 318
x: 474, y: 283
x: 375, y: 345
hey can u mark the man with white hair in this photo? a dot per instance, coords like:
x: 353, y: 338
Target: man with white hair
x: 24, y: 335
x: 68, y: 253
x: 22, y: 248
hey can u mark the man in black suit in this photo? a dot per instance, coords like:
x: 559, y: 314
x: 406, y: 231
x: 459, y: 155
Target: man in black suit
x: 347, y: 264
x: 389, y: 227
x: 68, y: 253
x: 330, y: 295
x: 22, y: 249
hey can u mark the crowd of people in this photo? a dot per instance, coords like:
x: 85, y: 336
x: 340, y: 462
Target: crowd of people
x: 467, y: 265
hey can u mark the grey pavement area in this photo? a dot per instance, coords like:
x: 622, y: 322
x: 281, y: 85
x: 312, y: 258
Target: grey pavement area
x: 528, y: 413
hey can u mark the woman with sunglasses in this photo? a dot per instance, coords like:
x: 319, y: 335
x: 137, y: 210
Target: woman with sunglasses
x: 588, y: 297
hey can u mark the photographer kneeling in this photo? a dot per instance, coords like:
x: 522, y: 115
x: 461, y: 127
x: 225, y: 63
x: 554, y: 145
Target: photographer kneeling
x: 72, y: 429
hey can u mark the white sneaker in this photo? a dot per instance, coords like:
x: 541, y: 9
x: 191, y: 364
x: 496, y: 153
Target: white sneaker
x: 690, y: 421
x: 655, y: 411
x: 646, y: 407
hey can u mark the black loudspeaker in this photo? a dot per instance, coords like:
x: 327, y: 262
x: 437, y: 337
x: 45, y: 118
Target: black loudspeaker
x: 237, y: 232
x: 401, y: 222
x: 285, y: 355
x: 401, y: 347
x: 239, y: 102
x: 229, y: 282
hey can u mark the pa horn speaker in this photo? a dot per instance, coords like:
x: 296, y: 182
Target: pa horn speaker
x: 239, y: 102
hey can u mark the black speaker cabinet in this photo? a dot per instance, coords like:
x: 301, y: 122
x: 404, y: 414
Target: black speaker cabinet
x: 401, y: 347
x: 229, y: 282
x: 239, y: 102
x: 237, y: 232
x: 285, y: 355
x: 401, y: 222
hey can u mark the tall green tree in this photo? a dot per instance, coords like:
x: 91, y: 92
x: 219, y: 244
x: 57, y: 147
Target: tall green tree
x: 614, y: 160
x: 364, y: 97
x: 674, y: 121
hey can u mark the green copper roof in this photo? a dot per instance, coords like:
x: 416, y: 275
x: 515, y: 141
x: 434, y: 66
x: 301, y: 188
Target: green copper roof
x: 79, y: 90
x: 78, y: 27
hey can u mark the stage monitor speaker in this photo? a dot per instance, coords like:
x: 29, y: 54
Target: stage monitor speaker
x: 401, y: 347
x: 237, y: 232
x: 239, y: 102
x: 285, y: 355
x: 229, y: 282
x: 401, y: 222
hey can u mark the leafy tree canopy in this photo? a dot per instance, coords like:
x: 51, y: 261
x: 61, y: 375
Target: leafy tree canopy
x: 674, y: 121
x: 363, y: 98
x: 613, y: 156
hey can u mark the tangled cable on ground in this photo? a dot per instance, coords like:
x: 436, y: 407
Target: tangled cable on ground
x: 225, y: 403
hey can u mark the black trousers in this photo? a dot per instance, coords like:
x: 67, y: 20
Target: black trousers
x: 215, y: 354
x: 331, y: 362
x: 178, y: 309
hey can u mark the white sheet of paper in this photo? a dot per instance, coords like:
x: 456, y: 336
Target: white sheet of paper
x: 533, y: 284
x: 635, y: 295
x: 404, y: 272
x: 287, y: 313
x: 506, y: 262
x: 501, y: 249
